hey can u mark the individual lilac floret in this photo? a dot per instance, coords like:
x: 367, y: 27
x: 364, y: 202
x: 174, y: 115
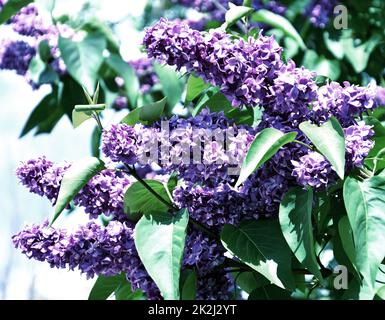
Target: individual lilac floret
x: 119, y: 143
x: 358, y: 144
x: 16, y: 55
x: 344, y: 102
x: 104, y: 194
x: 41, y: 177
x: 313, y: 170
x: 92, y: 249
x: 320, y: 12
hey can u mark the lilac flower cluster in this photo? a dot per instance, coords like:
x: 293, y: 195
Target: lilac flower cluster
x: 314, y: 170
x: 41, y: 177
x: 17, y: 55
x: 320, y: 12
x: 247, y: 72
x: 119, y: 143
x: 344, y: 102
x: 92, y: 249
x: 103, y: 194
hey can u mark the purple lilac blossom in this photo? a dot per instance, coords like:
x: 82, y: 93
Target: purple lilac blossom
x: 28, y: 22
x: 320, y: 12
x: 119, y: 143
x: 358, y: 144
x: 41, y: 177
x: 92, y: 249
x: 242, y: 69
x: 108, y: 251
x: 344, y: 102
x: 313, y: 170
x: 104, y: 194
x: 16, y: 55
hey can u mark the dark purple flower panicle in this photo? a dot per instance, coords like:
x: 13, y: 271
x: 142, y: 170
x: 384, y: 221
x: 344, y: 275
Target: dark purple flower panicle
x: 41, y: 177
x: 344, y: 102
x: 320, y: 12
x: 92, y: 249
x: 314, y: 170
x: 247, y: 72
x: 119, y: 143
x: 16, y: 55
x: 104, y: 194
x: 358, y: 144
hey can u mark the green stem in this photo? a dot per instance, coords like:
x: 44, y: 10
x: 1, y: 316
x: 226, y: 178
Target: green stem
x: 95, y: 115
x: 304, y: 144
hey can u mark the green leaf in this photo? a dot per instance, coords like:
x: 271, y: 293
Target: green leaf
x: 84, y: 58
x: 78, y: 117
x: 248, y: 281
x: 75, y: 178
x: 365, y: 205
x: 236, y: 13
x: 270, y: 292
x: 279, y: 22
x: 261, y: 246
x: 11, y: 7
x: 329, y: 140
x: 131, y: 81
x: 138, y: 200
x: 160, y: 240
x: 264, y: 146
x: 295, y: 214
x: 195, y: 86
x: 105, y: 286
x: 358, y: 56
x: 188, y: 287
x: 39, y: 114
x: 217, y: 102
x: 153, y: 111
x: 95, y: 142
x: 247, y: 3
x: 321, y: 65
x: 132, y: 118
x: 172, y: 84
x: 82, y: 113
x: 375, y: 155
x: 124, y: 292
x: 346, y: 234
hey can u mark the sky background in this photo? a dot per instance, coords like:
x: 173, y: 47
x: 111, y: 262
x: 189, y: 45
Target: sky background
x: 19, y: 277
